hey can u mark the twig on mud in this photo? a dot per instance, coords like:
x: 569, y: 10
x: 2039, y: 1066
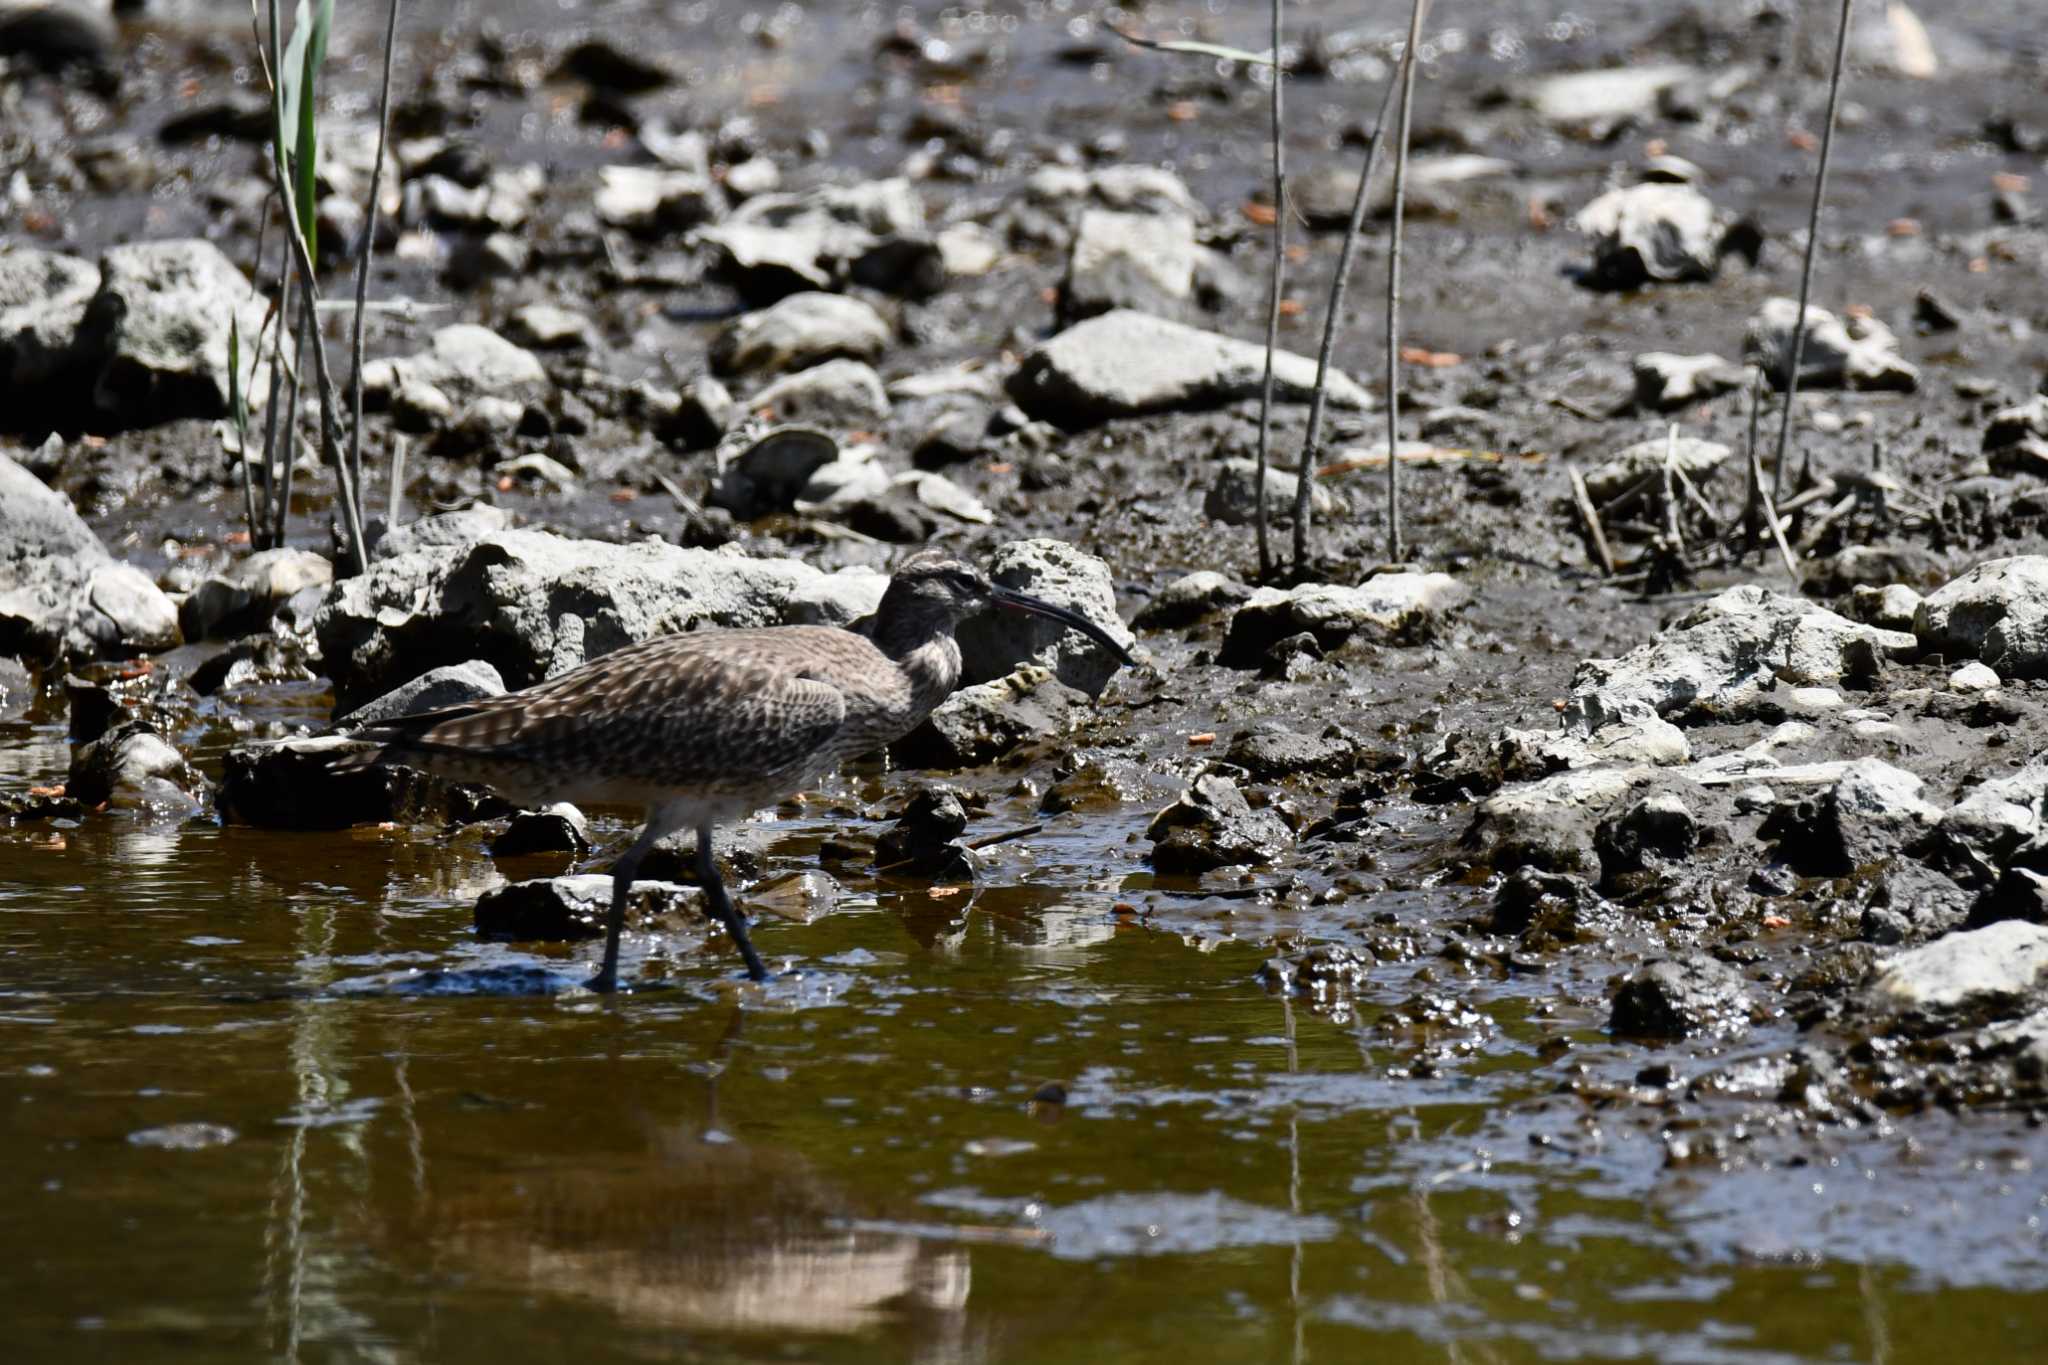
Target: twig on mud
x: 1672, y: 531
x: 1332, y: 320
x: 1752, y: 505
x: 1583, y: 500
x: 369, y: 251
x: 1272, y: 304
x: 1394, y: 283
x: 1770, y: 511
x: 394, y: 500
x: 1195, y: 49
x: 1820, y: 189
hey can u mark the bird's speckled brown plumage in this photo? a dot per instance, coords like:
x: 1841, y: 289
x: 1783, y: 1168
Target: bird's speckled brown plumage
x: 703, y: 728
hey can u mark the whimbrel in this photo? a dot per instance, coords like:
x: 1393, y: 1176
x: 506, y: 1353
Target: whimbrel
x: 705, y: 728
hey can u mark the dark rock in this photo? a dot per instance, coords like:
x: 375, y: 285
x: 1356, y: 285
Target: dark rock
x: 1211, y: 825
x: 1934, y: 313
x: 609, y: 67
x: 1647, y: 833
x: 132, y: 765
x: 242, y: 597
x: 449, y: 685
x: 1271, y: 750
x: 767, y: 474
x: 982, y: 723
x: 1189, y: 598
x: 894, y: 517
x: 1094, y: 786
x: 567, y: 909
x: 1680, y: 999
x: 1545, y: 909
x: 922, y: 839
x: 1386, y: 608
x: 63, y: 33
x: 254, y: 659
x: 292, y: 785
x: 560, y: 828
x: 1870, y: 814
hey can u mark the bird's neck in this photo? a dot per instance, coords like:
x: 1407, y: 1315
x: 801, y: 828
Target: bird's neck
x: 933, y: 669
x: 921, y: 642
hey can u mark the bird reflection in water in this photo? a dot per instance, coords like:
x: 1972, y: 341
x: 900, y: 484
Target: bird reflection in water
x: 707, y: 1235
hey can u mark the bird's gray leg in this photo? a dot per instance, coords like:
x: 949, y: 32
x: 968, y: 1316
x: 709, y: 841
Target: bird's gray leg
x: 607, y: 978
x: 721, y: 906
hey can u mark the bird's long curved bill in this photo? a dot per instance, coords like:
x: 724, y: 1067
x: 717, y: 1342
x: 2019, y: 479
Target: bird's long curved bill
x: 1010, y: 600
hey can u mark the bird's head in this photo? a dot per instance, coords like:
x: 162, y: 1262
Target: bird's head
x: 939, y: 587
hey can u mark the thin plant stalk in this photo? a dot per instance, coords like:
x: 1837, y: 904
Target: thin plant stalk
x: 1820, y: 191
x: 238, y: 414
x: 291, y: 422
x: 1272, y: 300
x: 394, y: 504
x: 1394, y: 284
x: 369, y: 250
x: 1319, y: 396
x: 259, y: 533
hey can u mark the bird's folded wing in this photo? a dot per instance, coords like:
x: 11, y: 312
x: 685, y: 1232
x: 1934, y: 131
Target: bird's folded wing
x: 673, y: 716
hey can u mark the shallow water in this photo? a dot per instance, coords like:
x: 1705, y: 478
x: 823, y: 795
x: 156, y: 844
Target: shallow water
x: 267, y: 1094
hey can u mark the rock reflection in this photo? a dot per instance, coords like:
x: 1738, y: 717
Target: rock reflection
x: 705, y: 1235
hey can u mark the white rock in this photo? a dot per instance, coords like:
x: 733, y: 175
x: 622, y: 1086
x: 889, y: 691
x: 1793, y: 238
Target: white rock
x: 1974, y: 677
x: 1126, y: 363
x: 1813, y: 699
x: 1651, y: 233
x: 1998, y: 612
x: 1859, y: 354
x: 1693, y: 457
x: 839, y: 393
x: 994, y: 644
x: 464, y: 362
x: 1724, y: 655
x: 1129, y: 260
x: 656, y: 198
x: 1585, y: 96
x: 2003, y: 961
x: 1667, y: 381
x: 802, y: 329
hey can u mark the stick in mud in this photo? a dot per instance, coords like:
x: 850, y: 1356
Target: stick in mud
x: 1583, y: 500
x: 1394, y: 285
x: 1272, y: 302
x: 368, y: 251
x: 1319, y: 397
x: 1820, y: 191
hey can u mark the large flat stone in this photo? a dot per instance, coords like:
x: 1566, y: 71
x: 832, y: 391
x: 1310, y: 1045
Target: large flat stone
x: 1124, y: 363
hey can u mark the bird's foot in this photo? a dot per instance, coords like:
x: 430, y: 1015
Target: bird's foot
x: 604, y: 983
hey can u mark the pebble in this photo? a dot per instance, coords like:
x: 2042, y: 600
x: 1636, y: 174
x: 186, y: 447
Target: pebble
x: 1974, y: 677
